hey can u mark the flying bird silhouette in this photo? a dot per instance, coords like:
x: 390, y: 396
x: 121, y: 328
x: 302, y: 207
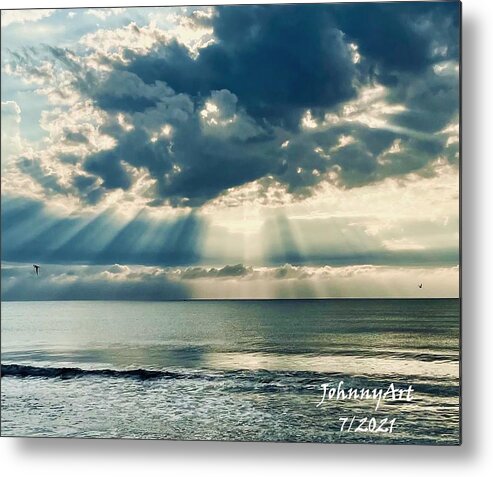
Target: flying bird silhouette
x: 36, y: 269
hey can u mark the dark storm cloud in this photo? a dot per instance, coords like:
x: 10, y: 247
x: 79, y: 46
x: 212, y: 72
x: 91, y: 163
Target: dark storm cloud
x: 207, y: 164
x: 432, y: 100
x: 277, y: 66
x: 277, y: 60
x: 401, y: 37
x: 267, y: 66
x: 125, y: 91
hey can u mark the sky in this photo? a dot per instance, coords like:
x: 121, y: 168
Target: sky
x: 265, y: 151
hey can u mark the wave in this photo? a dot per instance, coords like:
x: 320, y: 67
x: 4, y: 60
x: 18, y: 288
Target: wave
x: 260, y: 375
x: 239, y: 380
x: 23, y: 371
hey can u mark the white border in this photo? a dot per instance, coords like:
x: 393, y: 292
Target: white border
x: 62, y: 457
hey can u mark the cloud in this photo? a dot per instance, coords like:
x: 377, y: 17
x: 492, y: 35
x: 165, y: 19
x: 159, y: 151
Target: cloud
x: 104, y: 13
x: 228, y: 271
x: 287, y: 281
x: 232, y: 96
x: 12, y: 143
x: 221, y: 117
x: 115, y: 269
x: 406, y: 38
x: 265, y: 151
x: 250, y: 57
x: 109, y: 45
x: 10, y: 17
x: 82, y: 283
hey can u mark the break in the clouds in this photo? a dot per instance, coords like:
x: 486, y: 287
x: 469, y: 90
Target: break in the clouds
x: 264, y: 135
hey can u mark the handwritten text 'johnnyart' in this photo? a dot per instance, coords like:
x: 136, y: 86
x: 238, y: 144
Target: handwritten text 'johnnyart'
x: 391, y: 393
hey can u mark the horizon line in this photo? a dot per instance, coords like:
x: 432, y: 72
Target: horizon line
x: 238, y: 299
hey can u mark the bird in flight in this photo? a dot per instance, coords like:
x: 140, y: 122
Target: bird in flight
x: 420, y: 285
x: 36, y: 269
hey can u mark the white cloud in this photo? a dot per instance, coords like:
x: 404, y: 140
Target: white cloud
x: 10, y: 17
x: 307, y: 121
x: 72, y: 134
x: 191, y: 30
x: 112, y: 43
x: 12, y: 143
x: 104, y: 13
x: 343, y: 141
x: 371, y: 108
x: 355, y: 55
x: 221, y: 116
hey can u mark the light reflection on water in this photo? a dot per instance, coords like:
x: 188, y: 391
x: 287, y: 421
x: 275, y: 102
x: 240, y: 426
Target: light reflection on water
x: 245, y: 370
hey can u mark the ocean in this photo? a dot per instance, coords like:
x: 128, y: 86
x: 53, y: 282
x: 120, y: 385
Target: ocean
x: 231, y: 370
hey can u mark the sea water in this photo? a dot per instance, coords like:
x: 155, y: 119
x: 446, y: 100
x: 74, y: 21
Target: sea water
x: 230, y: 370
